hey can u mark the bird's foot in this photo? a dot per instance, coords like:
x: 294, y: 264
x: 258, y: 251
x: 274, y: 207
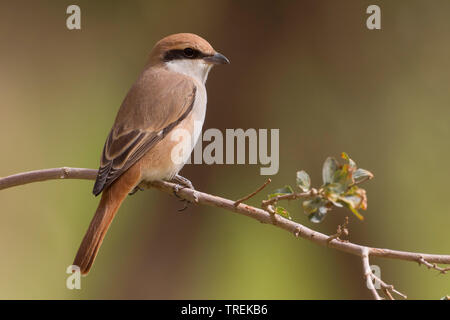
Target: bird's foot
x: 136, y: 189
x: 180, y: 184
x: 182, y: 181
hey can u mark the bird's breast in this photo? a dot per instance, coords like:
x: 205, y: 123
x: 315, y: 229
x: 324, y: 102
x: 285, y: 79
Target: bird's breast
x: 199, y: 111
x: 170, y: 154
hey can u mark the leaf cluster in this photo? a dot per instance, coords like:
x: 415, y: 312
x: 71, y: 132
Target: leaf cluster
x: 339, y: 189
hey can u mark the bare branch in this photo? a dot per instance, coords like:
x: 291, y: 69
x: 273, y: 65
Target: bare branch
x: 290, y: 196
x: 368, y: 274
x: 47, y: 174
x: 388, y: 287
x: 265, y: 215
x: 253, y: 193
x: 433, y: 266
x: 371, y: 278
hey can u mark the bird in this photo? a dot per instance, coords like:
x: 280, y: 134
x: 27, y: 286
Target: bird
x: 168, y: 95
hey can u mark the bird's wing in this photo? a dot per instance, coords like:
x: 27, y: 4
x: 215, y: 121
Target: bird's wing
x: 156, y: 103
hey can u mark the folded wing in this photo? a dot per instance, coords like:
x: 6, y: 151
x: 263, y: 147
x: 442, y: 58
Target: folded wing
x: 152, y: 108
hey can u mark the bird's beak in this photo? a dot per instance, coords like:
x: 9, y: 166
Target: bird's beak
x: 216, y: 58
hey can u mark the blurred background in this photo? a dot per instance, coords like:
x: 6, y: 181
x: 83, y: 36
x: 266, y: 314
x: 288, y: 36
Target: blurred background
x: 310, y: 68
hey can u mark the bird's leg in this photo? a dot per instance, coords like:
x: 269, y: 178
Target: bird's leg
x: 135, y: 189
x: 180, y: 184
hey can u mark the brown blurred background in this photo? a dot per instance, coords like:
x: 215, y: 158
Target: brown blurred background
x: 310, y: 68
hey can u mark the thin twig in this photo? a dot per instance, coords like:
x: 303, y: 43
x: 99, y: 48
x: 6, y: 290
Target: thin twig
x: 368, y: 274
x: 290, y: 196
x: 387, y: 294
x: 341, y: 230
x: 253, y: 193
x: 388, y: 287
x: 433, y: 266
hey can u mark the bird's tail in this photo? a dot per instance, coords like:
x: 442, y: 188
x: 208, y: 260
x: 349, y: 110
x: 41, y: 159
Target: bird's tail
x: 112, y: 198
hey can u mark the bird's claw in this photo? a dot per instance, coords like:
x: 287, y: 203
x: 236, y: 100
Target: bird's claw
x: 136, y: 189
x: 195, y: 197
x: 176, y: 189
x: 180, y: 184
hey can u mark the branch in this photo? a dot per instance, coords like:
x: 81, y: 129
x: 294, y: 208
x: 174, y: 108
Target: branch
x: 368, y: 274
x: 261, y: 215
x: 237, y: 202
x: 373, y: 282
x: 433, y: 266
x: 47, y: 174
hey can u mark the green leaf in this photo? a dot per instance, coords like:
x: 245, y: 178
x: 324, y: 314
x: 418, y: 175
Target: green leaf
x: 335, y: 203
x: 351, y: 163
x: 329, y: 168
x: 336, y: 188
x: 361, y: 175
x: 282, y: 212
x: 356, y: 213
x: 315, y: 208
x: 352, y: 200
x: 352, y: 209
x: 343, y: 176
x: 303, y: 180
x: 311, y: 205
x: 280, y: 192
x: 355, y: 198
x: 319, y: 215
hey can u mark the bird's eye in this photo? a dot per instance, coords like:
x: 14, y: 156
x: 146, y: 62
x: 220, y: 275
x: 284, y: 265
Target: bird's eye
x: 189, y: 52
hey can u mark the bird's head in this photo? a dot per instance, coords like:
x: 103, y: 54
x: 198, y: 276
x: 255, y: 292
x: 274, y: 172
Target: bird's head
x: 188, y: 54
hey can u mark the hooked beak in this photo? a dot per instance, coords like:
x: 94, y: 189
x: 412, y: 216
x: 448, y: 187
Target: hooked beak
x: 216, y: 58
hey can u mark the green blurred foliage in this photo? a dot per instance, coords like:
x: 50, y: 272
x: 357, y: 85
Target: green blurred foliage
x: 339, y: 189
x: 310, y: 68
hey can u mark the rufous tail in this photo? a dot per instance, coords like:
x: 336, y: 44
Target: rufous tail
x: 112, y: 198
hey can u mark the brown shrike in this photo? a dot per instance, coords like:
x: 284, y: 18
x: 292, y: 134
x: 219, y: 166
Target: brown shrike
x: 169, y: 94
